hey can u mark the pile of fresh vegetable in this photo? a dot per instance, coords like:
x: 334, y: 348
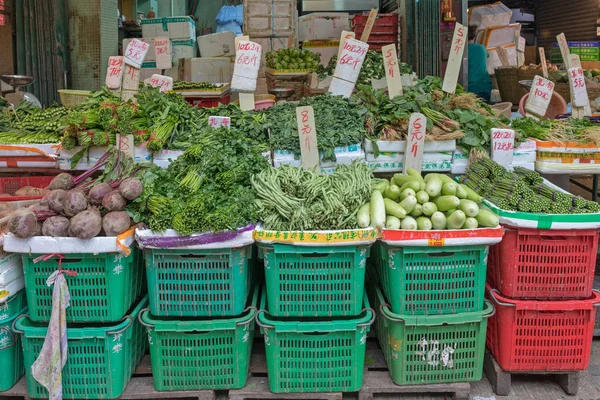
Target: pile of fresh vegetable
x: 373, y: 68
x: 295, y: 199
x: 293, y: 59
x: 435, y: 202
x: 184, y: 85
x: 580, y: 130
x: 522, y: 190
x: 28, y: 124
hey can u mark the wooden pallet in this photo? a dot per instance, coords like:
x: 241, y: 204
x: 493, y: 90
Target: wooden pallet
x: 501, y: 380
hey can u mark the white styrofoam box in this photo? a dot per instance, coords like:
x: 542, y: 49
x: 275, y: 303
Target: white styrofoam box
x: 353, y: 149
x: 183, y: 48
x: 427, y: 157
x: 211, y: 70
x: 489, y: 15
x: 396, y: 166
x: 524, y: 157
x: 25, y: 150
x: 219, y: 44
x: 341, y: 159
x: 400, y: 146
x: 501, y: 36
x: 494, y: 61
x: 150, y: 55
x: 149, y: 68
x: 140, y: 153
x: 164, y: 164
x: 322, y: 26
x: 165, y: 154
x: 65, y: 245
x: 172, y: 27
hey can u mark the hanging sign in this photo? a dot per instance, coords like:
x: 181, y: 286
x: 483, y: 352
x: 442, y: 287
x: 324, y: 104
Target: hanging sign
x: 163, y: 82
x: 413, y: 155
x: 162, y: 50
x: 217, y: 122
x: 136, y: 52
x: 348, y: 67
x: 114, y: 73
x: 369, y: 25
x: 392, y: 70
x: 539, y: 96
x: 503, y: 146
x: 307, y: 135
x: 459, y: 41
x: 578, y: 89
x: 543, y: 61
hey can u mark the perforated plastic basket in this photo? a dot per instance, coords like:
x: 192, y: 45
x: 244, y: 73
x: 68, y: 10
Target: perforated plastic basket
x: 315, y: 355
x: 432, y: 280
x: 314, y: 281
x: 201, y: 354
x: 105, y: 287
x: 432, y: 349
x: 199, y: 283
x: 11, y: 352
x: 544, y: 264
x: 12, y: 306
x: 531, y: 335
x: 10, y: 185
x: 101, y: 359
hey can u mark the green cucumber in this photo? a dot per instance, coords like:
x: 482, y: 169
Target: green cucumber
x: 471, y: 194
x: 409, y: 223
x: 469, y: 207
x: 433, y: 187
x: 414, y: 185
x: 406, y: 193
x: 456, y: 220
x: 417, y: 211
x: 470, y: 223
x: 392, y: 192
x: 449, y: 189
x: 424, y: 224
x: 487, y: 218
x: 461, y: 193
x: 429, y: 208
x: 438, y: 220
x: 377, y: 210
x: 445, y: 203
x: 422, y: 197
x: 364, y: 216
x: 409, y: 203
x: 392, y: 222
x: 381, y: 186
x: 393, y: 208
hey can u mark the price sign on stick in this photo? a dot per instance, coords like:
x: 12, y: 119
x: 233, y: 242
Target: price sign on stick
x: 413, y: 156
x: 163, y: 82
x: 217, y: 122
x: 136, y: 52
x: 392, y: 70
x: 307, y: 135
x: 345, y: 35
x: 126, y: 144
x: 543, y: 61
x: 369, y: 26
x: 348, y: 67
x: 245, y: 72
x: 564, y: 48
x: 578, y: 89
x: 114, y: 73
x: 131, y: 82
x: 539, y: 96
x: 162, y: 50
x: 503, y: 146
x: 459, y: 41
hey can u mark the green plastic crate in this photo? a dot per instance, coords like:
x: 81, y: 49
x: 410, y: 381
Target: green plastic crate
x: 199, y: 283
x: 11, y: 353
x: 104, y: 289
x: 201, y: 354
x: 315, y: 355
x: 101, y: 359
x: 431, y: 349
x: 315, y: 281
x: 12, y: 306
x: 432, y: 280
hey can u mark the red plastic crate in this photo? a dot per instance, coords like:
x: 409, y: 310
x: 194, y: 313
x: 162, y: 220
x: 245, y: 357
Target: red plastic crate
x: 208, y: 102
x: 358, y: 29
x: 378, y: 45
x: 12, y: 184
x: 377, y: 37
x: 382, y: 19
x: 544, y: 264
x: 533, y: 335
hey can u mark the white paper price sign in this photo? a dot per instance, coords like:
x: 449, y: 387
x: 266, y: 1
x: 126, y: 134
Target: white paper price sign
x: 345, y: 35
x: 459, y: 41
x: 114, y: 73
x: 503, y: 146
x: 348, y: 67
x: 392, y: 70
x: 136, y: 52
x: 539, y: 96
x: 413, y: 156
x: 217, y: 122
x: 245, y: 69
x: 163, y: 82
x: 162, y: 50
x: 577, y: 82
x: 307, y: 135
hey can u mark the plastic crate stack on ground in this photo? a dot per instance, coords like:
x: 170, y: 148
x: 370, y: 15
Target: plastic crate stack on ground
x: 384, y: 32
x: 314, y: 313
x: 105, y: 341
x: 200, y: 321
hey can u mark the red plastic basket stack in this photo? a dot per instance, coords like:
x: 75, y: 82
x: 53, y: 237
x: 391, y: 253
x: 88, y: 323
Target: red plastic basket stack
x: 541, y: 284
x: 384, y: 32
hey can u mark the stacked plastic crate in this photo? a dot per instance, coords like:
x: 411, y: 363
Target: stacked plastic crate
x: 431, y: 312
x: 314, y: 314
x: 200, y: 322
x: 541, y: 283
x: 384, y: 32
x: 105, y: 341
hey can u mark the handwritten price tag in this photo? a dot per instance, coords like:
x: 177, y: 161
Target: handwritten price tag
x: 577, y: 82
x: 413, y: 156
x: 162, y: 49
x: 543, y: 61
x: 459, y: 41
x: 564, y: 48
x: 345, y: 35
x: 392, y: 70
x: 307, y: 135
x: 114, y: 73
x: 348, y: 67
x: 369, y: 25
x: 136, y: 52
x: 217, y: 122
x: 245, y: 69
x: 126, y: 144
x: 163, y: 82
x: 503, y: 146
x: 539, y: 96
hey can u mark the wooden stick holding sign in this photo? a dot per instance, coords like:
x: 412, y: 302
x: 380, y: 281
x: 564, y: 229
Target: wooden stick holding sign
x: 585, y: 109
x: 348, y: 67
x: 114, y: 73
x: 369, y: 25
x: 503, y: 146
x: 245, y: 72
x: 345, y: 35
x: 459, y: 41
x: 539, y: 97
x: 543, y: 62
x: 413, y: 155
x: 307, y: 135
x: 392, y: 70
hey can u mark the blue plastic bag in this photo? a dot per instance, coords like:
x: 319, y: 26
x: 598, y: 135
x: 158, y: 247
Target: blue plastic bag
x: 226, y: 14
x: 230, y: 26
x: 239, y: 14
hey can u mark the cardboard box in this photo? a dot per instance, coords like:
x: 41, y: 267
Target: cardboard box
x: 261, y: 86
x: 322, y: 26
x: 212, y: 70
x: 327, y: 49
x: 149, y: 68
x: 217, y: 44
x: 266, y: 18
x: 183, y: 48
x: 172, y: 27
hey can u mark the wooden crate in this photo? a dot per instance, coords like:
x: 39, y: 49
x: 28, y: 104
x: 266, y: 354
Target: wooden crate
x: 287, y: 81
x: 267, y: 18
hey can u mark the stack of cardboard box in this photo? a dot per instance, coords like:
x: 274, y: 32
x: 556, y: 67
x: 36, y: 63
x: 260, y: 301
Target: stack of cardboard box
x: 321, y: 32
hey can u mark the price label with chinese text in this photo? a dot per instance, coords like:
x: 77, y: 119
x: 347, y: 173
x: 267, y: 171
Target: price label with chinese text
x: 415, y: 142
x: 217, y: 122
x: 459, y: 41
x: 348, y: 67
x: 136, y: 52
x: 539, y: 96
x: 345, y: 35
x: 392, y: 70
x: 369, y: 25
x: 114, y: 73
x: 307, y: 135
x: 245, y: 69
x: 126, y: 144
x: 503, y: 146
x: 162, y: 49
x: 543, y: 61
x: 564, y: 48
x: 579, y: 91
x: 163, y: 82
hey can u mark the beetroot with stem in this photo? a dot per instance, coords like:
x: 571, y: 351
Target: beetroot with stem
x: 62, y: 181
x: 98, y: 192
x: 131, y: 188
